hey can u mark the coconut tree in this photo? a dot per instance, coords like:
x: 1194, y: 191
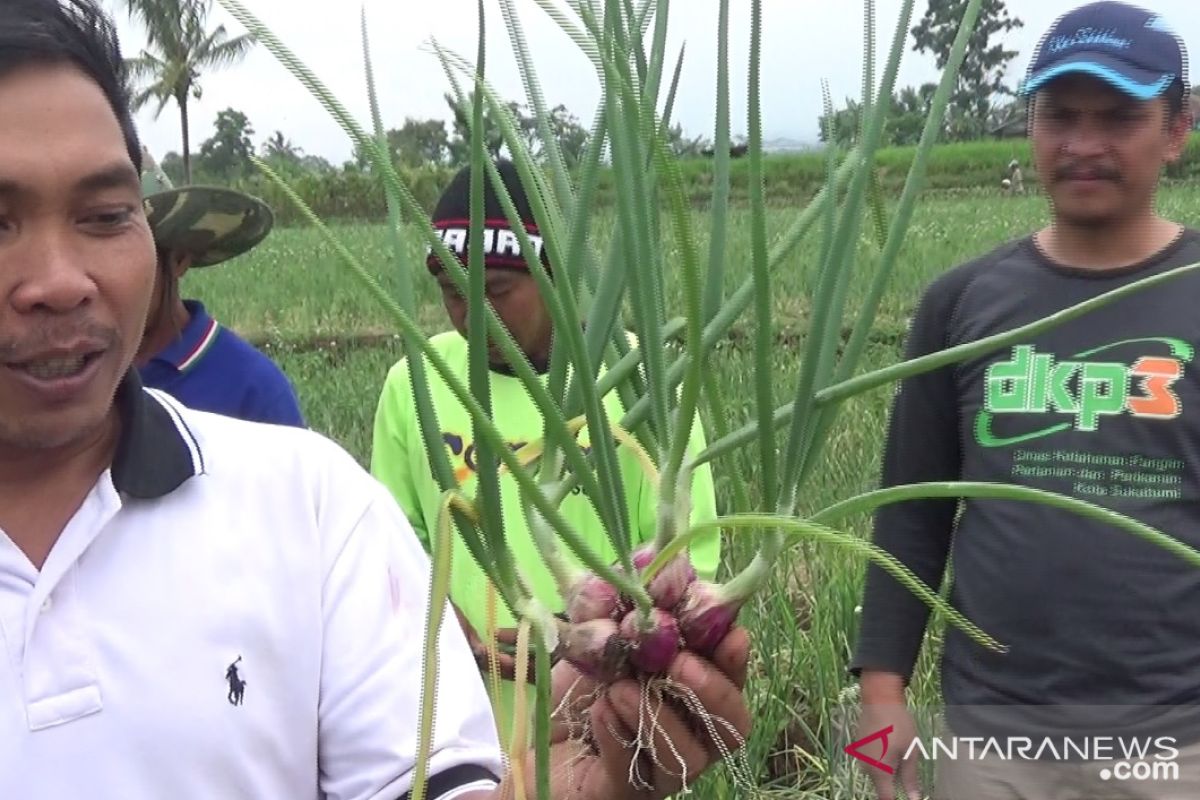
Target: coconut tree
x: 179, y: 48
x: 281, y: 147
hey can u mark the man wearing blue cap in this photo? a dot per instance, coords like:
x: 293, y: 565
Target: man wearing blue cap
x: 1098, y: 694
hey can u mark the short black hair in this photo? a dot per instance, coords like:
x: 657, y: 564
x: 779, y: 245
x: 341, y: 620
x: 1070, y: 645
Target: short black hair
x: 77, y: 32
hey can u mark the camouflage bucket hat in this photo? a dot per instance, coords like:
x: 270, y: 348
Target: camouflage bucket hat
x: 211, y: 223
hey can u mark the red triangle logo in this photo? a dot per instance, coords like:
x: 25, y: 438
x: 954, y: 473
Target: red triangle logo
x: 854, y: 748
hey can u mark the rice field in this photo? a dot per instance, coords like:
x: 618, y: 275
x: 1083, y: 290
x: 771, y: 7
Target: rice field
x: 300, y: 305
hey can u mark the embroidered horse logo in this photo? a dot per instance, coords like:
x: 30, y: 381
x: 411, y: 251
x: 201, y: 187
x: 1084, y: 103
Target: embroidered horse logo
x: 237, y: 686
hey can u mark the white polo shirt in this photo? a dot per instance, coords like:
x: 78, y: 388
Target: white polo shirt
x: 236, y: 611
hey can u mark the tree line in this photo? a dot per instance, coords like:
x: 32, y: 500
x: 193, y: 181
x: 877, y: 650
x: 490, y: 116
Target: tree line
x: 181, y: 47
x: 225, y: 155
x: 981, y: 101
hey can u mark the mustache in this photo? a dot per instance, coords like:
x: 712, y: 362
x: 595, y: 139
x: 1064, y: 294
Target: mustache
x: 56, y: 334
x: 1099, y: 171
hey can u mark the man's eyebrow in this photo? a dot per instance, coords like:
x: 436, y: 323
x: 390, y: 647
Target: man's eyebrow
x: 115, y: 176
x: 120, y: 175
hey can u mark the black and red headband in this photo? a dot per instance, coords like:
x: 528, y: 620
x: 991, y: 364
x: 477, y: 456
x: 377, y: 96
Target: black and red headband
x: 501, y: 244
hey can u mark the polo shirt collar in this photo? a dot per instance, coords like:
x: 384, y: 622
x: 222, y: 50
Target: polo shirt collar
x: 156, y: 451
x: 193, y: 341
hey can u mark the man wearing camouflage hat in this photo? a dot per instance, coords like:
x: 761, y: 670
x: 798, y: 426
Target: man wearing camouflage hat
x: 185, y: 352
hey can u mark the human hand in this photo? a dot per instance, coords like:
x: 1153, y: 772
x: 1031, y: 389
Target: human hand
x: 885, y: 714
x: 598, y: 766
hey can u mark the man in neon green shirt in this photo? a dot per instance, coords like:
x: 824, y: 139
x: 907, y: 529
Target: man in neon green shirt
x: 399, y: 459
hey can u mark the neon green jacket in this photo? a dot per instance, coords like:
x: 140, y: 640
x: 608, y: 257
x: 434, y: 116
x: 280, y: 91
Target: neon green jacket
x: 399, y: 461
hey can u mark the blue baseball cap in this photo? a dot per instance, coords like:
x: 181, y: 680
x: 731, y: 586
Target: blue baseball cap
x: 1128, y: 47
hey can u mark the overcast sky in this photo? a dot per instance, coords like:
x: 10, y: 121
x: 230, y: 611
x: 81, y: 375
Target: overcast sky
x: 804, y: 41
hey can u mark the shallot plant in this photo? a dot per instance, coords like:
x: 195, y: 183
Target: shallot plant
x: 615, y: 332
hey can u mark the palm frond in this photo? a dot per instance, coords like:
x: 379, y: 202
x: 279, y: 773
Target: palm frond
x: 163, y: 20
x: 218, y: 53
x: 179, y: 48
x: 142, y: 98
x: 145, y: 66
x: 159, y: 92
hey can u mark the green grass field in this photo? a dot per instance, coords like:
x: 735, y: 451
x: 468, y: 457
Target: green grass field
x: 293, y: 298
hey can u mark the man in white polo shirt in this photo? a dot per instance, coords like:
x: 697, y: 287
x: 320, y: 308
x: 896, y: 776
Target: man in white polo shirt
x: 194, y: 606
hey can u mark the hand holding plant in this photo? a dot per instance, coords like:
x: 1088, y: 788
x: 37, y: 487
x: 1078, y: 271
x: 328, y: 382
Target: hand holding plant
x: 622, y: 758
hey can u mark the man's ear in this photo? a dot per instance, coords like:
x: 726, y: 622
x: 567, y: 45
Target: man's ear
x: 180, y: 263
x: 1179, y: 129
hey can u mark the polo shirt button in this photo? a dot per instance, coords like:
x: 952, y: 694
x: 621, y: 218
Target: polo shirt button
x: 47, y: 604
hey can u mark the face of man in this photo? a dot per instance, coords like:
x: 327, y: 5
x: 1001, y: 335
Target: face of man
x: 1100, y: 151
x: 515, y: 296
x: 76, y: 259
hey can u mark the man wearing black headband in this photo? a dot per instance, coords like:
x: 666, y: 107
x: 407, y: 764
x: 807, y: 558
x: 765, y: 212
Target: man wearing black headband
x: 399, y: 459
x: 511, y: 290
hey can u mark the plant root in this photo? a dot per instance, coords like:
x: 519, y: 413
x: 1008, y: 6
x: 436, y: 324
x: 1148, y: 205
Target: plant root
x: 650, y: 740
x: 569, y: 713
x: 736, y: 762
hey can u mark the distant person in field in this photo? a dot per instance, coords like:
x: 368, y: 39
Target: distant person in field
x: 1015, y: 178
x: 399, y: 459
x: 185, y: 351
x: 1103, y: 627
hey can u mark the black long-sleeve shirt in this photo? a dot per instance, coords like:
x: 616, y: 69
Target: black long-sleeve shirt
x: 1105, y: 408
